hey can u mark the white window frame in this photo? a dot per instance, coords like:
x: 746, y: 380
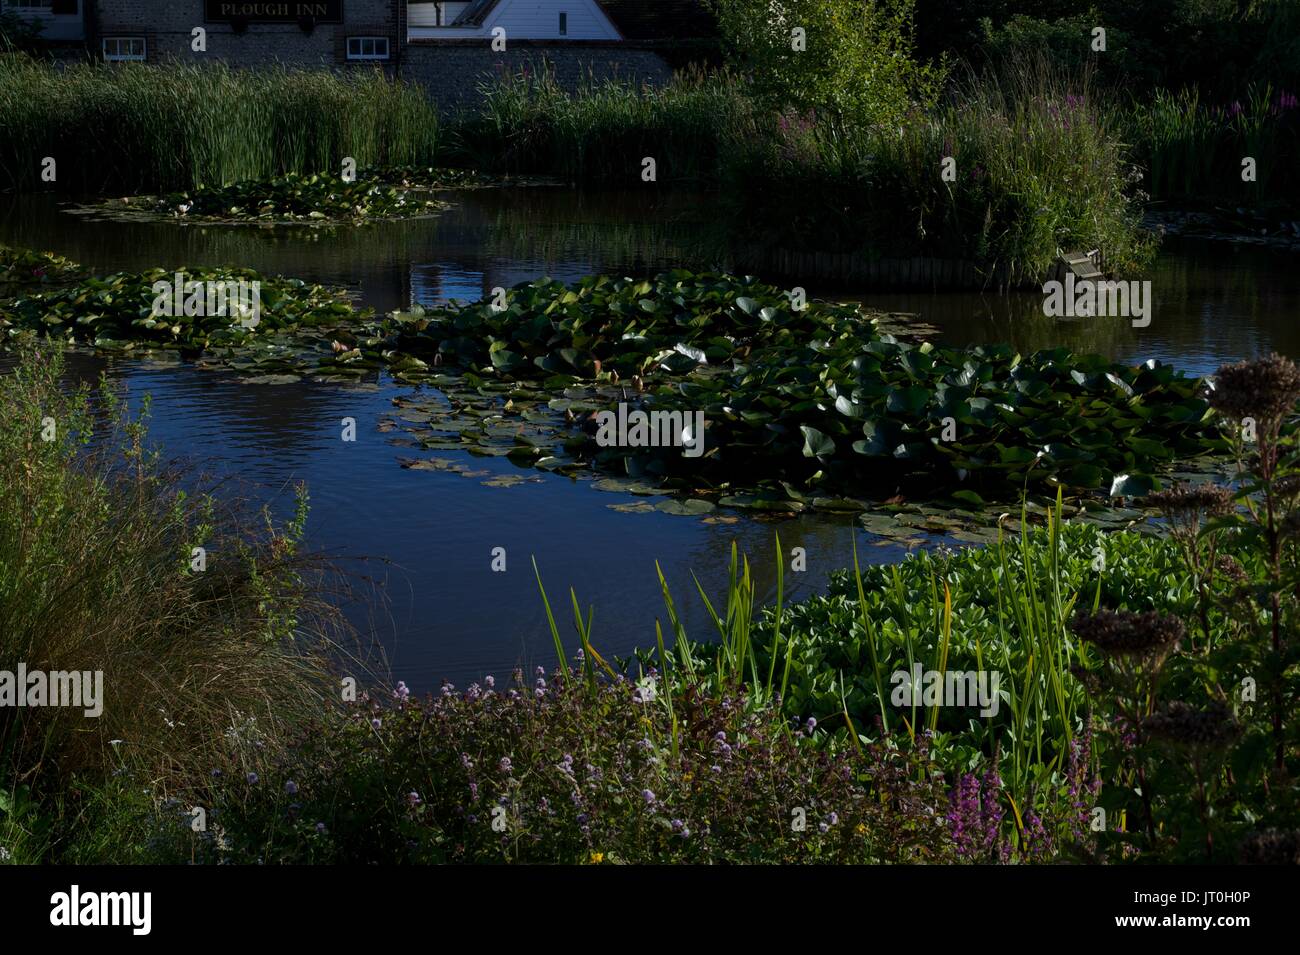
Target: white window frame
x: 360, y: 42
x: 120, y: 57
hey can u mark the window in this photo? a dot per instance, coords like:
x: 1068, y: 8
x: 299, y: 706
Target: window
x: 61, y: 8
x: 564, y: 23
x: 367, y: 48
x: 121, y: 48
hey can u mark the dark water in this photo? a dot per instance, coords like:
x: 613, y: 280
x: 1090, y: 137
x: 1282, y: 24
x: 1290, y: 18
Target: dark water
x: 430, y: 534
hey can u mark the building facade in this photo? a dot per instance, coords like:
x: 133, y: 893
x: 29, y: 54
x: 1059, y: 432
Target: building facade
x: 448, y: 47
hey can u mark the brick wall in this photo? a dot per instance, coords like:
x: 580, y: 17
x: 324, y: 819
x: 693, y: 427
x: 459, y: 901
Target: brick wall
x: 166, y: 26
x: 452, y: 70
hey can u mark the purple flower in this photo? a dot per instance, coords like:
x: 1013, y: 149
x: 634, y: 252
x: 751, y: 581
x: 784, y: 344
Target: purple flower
x: 490, y: 681
x: 291, y: 788
x: 320, y: 827
x: 402, y: 693
x: 413, y: 799
x: 376, y: 723
x: 505, y: 765
x: 252, y: 778
x: 648, y: 796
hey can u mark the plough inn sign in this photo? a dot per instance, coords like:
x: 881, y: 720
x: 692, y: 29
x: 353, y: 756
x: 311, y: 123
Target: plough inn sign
x: 276, y: 11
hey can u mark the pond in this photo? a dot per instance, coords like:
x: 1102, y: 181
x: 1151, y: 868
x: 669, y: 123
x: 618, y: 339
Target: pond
x: 436, y: 605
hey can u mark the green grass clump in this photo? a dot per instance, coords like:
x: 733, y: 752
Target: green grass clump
x: 99, y: 572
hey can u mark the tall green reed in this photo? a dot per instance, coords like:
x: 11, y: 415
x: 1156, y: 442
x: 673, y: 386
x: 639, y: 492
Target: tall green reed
x: 135, y: 127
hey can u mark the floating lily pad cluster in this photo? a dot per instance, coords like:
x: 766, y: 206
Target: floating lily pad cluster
x: 292, y: 198
x: 426, y: 177
x: 24, y: 270
x: 119, y: 310
x: 820, y: 397
x: 804, y: 407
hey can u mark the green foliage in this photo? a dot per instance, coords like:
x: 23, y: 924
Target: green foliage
x: 1003, y: 608
x: 854, y: 61
x: 1220, y: 46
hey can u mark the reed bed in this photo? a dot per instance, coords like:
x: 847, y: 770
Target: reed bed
x: 114, y: 128
x: 528, y: 123
x: 1194, y: 150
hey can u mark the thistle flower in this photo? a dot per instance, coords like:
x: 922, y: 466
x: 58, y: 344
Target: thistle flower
x: 1228, y: 568
x: 1192, y: 501
x: 1119, y: 633
x: 1211, y: 728
x: 1265, y: 389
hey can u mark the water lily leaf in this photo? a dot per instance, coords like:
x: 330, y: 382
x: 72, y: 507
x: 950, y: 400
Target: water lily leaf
x: 1132, y: 485
x: 816, y: 444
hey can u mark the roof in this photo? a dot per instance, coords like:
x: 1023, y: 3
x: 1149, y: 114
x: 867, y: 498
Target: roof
x: 634, y: 19
x: 475, y: 13
x: 660, y: 19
